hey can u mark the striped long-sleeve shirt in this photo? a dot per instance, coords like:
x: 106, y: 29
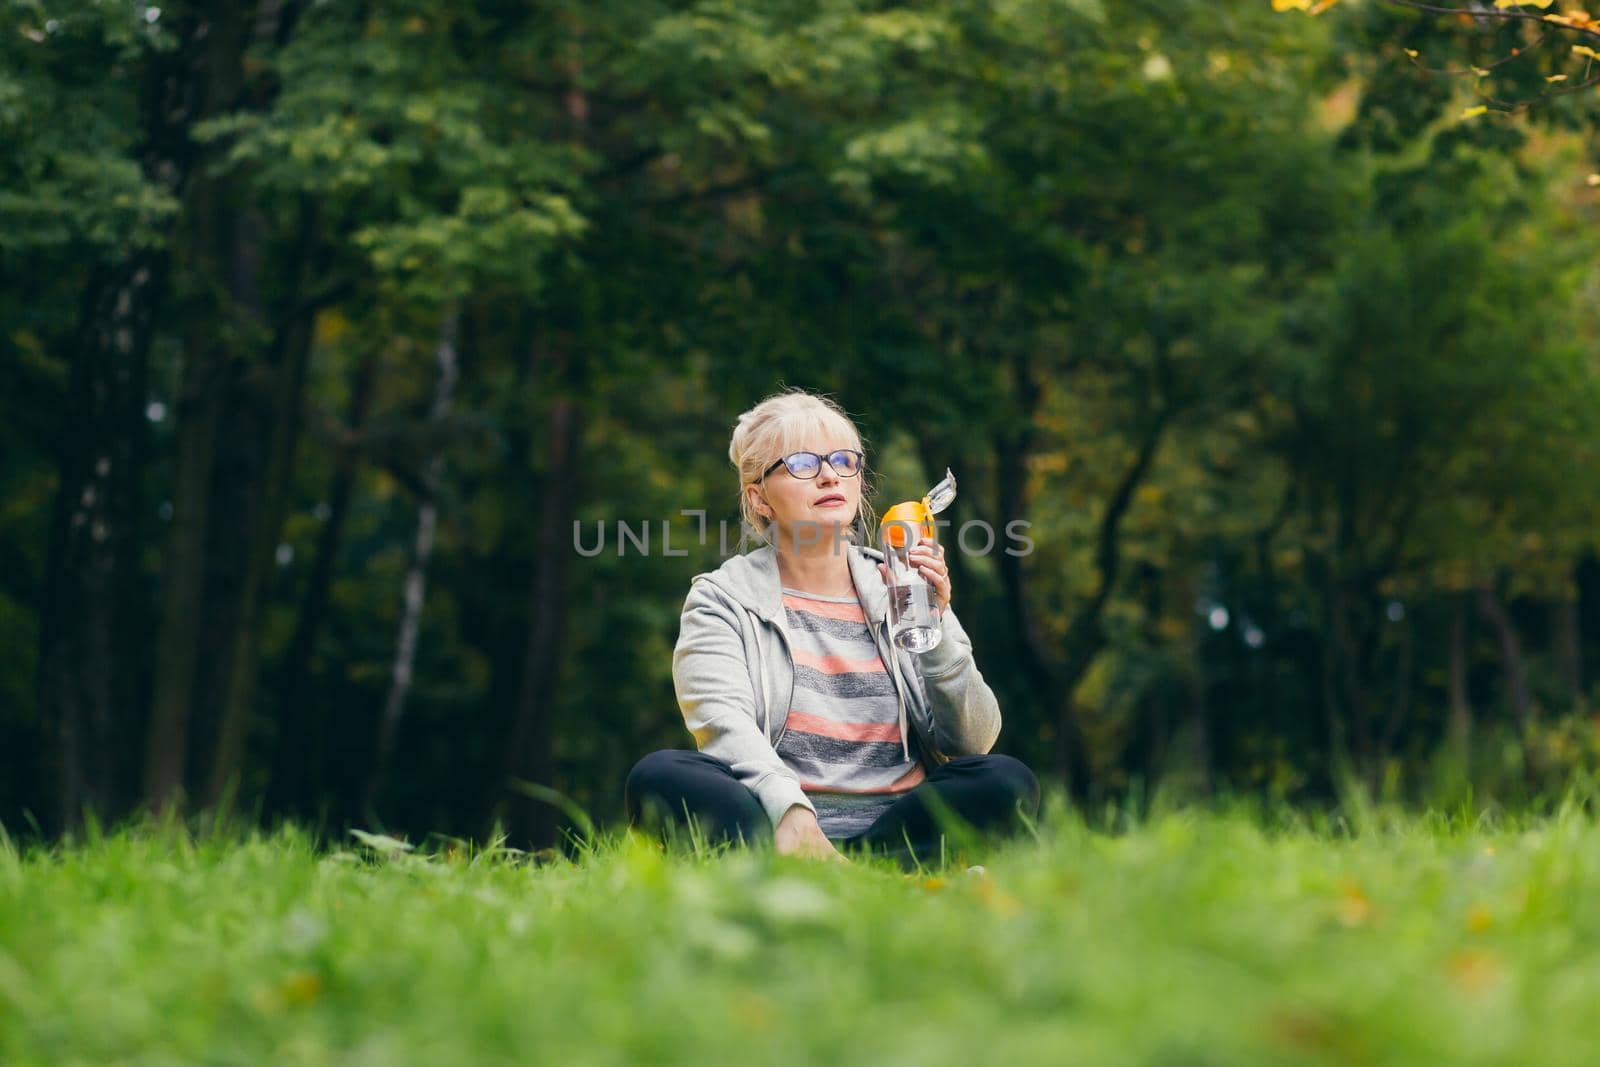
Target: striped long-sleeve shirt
x: 842, y: 736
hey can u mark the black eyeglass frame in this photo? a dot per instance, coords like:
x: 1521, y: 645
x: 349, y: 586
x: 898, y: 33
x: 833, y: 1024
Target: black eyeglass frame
x: 861, y: 461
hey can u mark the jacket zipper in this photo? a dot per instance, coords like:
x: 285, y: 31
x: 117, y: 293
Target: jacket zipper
x: 783, y: 637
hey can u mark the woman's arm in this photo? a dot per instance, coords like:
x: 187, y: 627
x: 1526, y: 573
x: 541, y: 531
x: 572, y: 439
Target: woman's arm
x: 712, y: 680
x: 966, y: 715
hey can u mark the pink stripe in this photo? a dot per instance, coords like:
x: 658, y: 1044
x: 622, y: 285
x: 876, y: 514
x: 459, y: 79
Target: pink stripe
x: 906, y: 781
x: 838, y: 664
x: 844, y: 731
x: 849, y: 612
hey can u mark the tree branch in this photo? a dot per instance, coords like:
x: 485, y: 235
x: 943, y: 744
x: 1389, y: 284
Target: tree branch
x: 1494, y: 13
x: 1590, y: 30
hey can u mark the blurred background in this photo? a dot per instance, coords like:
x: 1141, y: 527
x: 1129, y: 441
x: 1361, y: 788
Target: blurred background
x: 325, y: 326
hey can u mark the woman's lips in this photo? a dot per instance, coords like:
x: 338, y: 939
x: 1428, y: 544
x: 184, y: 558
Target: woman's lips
x: 830, y: 502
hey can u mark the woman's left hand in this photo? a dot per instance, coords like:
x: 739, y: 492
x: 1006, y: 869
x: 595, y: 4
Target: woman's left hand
x: 929, y: 559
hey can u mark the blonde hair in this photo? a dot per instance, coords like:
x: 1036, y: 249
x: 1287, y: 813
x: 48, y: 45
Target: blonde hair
x: 779, y: 425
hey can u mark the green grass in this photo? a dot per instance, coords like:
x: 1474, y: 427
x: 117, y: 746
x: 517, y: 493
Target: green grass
x: 1189, y: 938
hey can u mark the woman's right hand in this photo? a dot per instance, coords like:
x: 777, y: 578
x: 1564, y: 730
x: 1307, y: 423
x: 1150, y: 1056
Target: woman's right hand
x: 797, y: 833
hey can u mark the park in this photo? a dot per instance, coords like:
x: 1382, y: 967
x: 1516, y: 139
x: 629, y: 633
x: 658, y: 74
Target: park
x: 407, y: 411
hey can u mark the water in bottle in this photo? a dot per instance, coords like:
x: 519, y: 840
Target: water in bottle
x: 913, y: 621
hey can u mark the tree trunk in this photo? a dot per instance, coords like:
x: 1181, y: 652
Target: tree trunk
x: 530, y: 755
x: 1039, y: 665
x: 1511, y: 659
x: 92, y: 630
x: 1200, y: 723
x: 1460, y: 700
x: 91, y: 620
x: 262, y: 515
x: 1057, y: 677
x: 1333, y: 707
x: 301, y: 742
x: 1400, y: 701
x: 218, y: 74
x: 1086, y: 636
x: 1353, y: 641
x: 532, y: 736
x: 183, y: 581
x: 1564, y: 626
x: 415, y: 589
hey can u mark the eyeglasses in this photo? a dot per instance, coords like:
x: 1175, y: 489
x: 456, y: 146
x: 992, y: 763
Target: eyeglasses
x: 846, y: 463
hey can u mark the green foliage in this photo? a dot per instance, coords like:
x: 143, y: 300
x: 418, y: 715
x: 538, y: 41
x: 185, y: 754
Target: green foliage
x: 71, y: 178
x: 1232, y: 307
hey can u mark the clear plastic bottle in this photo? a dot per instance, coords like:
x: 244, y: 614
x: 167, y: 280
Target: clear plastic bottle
x: 913, y: 622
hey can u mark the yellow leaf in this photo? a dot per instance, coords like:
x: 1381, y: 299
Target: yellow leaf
x: 752, y: 1010
x: 1353, y: 908
x: 1577, y: 20
x: 998, y: 900
x: 302, y: 987
x: 1473, y: 112
x: 1585, y: 50
x: 1541, y: 4
x: 1556, y: 78
x: 1474, y: 970
x: 1412, y: 52
x: 1592, y: 180
x: 1306, y: 1029
x: 1480, y: 72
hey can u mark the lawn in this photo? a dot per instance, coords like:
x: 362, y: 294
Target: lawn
x: 1185, y: 937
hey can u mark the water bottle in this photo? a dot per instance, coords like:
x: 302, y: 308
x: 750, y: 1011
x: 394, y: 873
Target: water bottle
x: 913, y: 623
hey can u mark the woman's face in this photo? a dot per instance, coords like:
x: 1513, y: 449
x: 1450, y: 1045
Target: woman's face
x: 810, y: 511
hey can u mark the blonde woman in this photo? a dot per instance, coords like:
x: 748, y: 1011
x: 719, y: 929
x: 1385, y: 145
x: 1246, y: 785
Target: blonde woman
x: 814, y: 731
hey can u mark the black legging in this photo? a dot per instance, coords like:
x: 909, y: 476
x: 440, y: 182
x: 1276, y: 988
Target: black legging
x: 986, y: 793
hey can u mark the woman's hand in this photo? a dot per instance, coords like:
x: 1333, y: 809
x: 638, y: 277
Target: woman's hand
x: 928, y: 557
x: 798, y: 834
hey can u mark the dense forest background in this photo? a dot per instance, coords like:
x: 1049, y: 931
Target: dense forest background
x: 325, y: 326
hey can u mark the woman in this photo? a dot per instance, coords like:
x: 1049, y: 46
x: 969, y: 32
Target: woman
x: 813, y: 729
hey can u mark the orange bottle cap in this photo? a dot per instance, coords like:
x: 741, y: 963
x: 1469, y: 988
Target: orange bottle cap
x: 893, y: 525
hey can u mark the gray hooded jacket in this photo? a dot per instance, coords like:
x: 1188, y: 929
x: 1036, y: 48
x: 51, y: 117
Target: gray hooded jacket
x: 734, y: 675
